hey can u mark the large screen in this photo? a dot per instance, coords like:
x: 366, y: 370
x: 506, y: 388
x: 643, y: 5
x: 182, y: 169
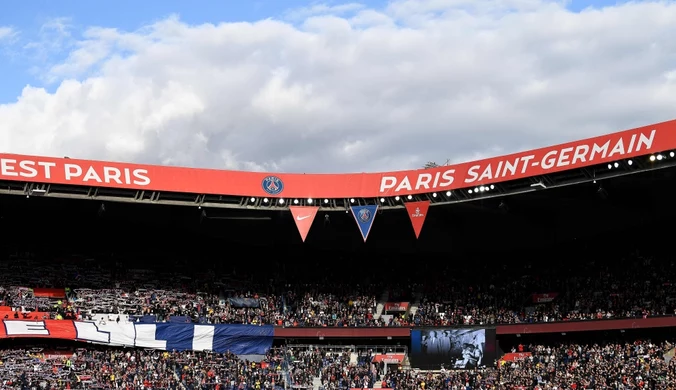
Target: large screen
x: 452, y: 348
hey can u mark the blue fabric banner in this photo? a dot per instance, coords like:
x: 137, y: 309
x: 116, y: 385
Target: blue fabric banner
x: 238, y: 339
x: 148, y: 319
x: 243, y: 339
x: 244, y: 302
x: 180, y: 319
x: 364, y: 215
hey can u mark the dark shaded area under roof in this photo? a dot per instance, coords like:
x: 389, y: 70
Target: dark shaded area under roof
x: 637, y: 205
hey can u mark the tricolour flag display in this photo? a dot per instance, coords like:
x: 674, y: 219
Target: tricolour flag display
x: 417, y: 212
x: 364, y: 215
x: 304, y: 216
x: 221, y: 338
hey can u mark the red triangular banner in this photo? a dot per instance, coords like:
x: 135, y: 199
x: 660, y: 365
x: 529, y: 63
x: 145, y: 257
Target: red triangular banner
x: 417, y: 211
x: 304, y: 215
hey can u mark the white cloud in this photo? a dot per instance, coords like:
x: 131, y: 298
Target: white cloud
x: 7, y: 33
x: 53, y: 38
x: 322, y: 9
x: 375, y: 89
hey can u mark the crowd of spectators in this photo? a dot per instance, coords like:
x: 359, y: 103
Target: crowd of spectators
x: 479, y: 379
x: 106, y: 368
x: 638, y: 364
x: 332, y: 368
x: 336, y: 308
x: 630, y: 365
x: 632, y: 287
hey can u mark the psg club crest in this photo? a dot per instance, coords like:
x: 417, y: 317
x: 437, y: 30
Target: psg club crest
x: 364, y: 215
x: 273, y: 185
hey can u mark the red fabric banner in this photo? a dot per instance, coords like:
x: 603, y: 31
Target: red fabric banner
x: 57, y: 355
x: 304, y: 216
x: 58, y: 293
x: 396, y: 306
x: 53, y: 329
x: 417, y: 211
x: 544, y: 298
x: 389, y: 358
x: 510, y: 357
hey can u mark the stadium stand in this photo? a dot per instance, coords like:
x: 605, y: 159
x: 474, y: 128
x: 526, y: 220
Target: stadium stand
x: 634, y: 364
x: 630, y: 286
x: 478, y: 266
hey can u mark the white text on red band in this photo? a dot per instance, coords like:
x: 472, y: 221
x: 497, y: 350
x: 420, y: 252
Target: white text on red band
x: 74, y: 172
x: 496, y: 169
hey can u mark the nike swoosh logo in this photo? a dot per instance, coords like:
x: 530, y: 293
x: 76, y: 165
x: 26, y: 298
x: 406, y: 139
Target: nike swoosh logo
x: 299, y: 218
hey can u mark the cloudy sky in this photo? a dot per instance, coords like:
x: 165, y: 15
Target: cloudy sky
x: 327, y: 87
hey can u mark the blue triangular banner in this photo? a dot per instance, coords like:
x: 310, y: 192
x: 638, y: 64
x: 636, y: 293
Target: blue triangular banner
x: 364, y: 215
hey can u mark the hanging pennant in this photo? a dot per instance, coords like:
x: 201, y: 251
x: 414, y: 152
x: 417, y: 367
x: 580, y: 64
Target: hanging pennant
x: 304, y: 216
x: 417, y: 212
x: 364, y: 215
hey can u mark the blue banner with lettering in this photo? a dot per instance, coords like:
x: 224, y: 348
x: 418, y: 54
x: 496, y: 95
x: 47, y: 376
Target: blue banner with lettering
x: 237, y: 339
x: 169, y: 336
x: 244, y: 302
x: 364, y: 215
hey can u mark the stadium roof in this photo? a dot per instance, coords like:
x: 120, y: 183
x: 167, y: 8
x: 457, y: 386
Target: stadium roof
x: 559, y: 165
x: 620, y: 209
